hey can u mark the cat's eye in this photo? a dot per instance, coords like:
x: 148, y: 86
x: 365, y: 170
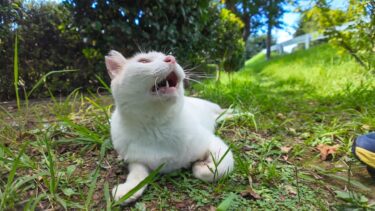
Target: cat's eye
x: 144, y: 60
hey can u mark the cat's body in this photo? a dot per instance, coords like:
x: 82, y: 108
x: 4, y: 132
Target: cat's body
x: 154, y: 123
x: 155, y: 141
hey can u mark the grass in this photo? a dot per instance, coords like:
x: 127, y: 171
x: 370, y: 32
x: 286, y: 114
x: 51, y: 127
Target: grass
x: 57, y: 154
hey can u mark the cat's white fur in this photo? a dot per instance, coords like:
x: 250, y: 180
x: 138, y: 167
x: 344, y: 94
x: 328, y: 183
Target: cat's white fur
x: 151, y: 129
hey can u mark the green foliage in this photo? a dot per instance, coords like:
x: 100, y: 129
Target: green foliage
x: 250, y: 13
x: 314, y: 20
x: 228, y: 47
x: 44, y: 44
x: 358, y: 39
x: 193, y: 31
x: 77, y: 34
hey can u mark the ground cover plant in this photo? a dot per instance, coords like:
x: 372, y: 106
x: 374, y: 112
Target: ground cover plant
x: 56, y: 154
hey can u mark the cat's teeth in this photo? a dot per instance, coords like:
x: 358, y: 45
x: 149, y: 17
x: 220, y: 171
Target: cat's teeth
x: 167, y: 84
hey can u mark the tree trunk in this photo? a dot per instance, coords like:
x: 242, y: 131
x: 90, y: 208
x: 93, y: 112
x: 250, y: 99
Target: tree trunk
x: 269, y: 39
x: 246, y: 30
x: 269, y: 29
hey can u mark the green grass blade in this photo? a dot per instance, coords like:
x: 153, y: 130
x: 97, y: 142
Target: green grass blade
x: 51, y: 167
x: 37, y: 200
x: 225, y: 205
x: 107, y: 196
x: 104, y: 84
x: 11, y: 175
x: 92, y: 188
x: 7, y: 112
x: 95, y: 176
x: 15, y: 71
x: 44, y: 78
x: 84, y: 133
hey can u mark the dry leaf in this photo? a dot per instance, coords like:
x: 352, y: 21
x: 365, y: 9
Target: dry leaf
x: 212, y: 208
x: 291, y: 190
x: 250, y: 193
x: 292, y: 130
x: 285, y: 157
x: 326, y: 151
x: 285, y: 149
x: 281, y: 116
x: 246, y: 148
x: 269, y: 159
x: 366, y: 127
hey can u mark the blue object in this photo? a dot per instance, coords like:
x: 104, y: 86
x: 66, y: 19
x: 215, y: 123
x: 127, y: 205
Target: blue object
x: 364, y: 150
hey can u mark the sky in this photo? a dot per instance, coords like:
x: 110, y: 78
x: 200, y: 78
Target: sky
x: 291, y: 20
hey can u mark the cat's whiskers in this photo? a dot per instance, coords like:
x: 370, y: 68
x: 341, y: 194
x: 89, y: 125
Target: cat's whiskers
x: 191, y: 69
x: 156, y: 87
x: 190, y: 79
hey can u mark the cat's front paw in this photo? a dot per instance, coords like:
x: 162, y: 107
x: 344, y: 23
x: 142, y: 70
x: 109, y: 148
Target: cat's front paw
x: 121, y: 190
x: 204, y: 171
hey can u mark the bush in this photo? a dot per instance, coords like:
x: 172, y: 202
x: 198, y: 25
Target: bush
x: 45, y: 44
x: 77, y: 34
x: 228, y: 48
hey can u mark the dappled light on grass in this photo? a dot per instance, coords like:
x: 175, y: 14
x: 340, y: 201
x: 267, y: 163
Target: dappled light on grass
x: 302, y: 100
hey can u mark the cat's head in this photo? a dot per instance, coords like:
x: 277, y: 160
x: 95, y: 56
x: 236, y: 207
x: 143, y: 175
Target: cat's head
x: 146, y: 78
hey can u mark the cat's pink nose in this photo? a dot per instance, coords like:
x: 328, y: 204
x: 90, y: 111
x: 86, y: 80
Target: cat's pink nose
x: 170, y: 59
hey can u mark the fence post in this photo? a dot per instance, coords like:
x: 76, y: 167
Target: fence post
x: 307, y: 41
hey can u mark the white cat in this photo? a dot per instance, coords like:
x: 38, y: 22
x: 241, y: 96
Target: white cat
x: 154, y: 123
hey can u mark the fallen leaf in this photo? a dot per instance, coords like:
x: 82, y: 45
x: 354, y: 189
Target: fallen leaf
x: 269, y: 159
x: 285, y: 157
x: 291, y: 190
x: 247, y: 148
x: 305, y: 135
x: 250, y: 193
x: 281, y: 116
x: 250, y: 180
x: 327, y: 151
x: 366, y: 127
x: 212, y: 208
x: 292, y: 130
x: 285, y: 149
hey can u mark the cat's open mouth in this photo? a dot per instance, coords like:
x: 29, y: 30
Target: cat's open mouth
x: 167, y: 85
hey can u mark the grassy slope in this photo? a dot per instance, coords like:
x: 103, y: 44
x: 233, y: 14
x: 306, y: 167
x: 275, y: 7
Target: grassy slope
x: 298, y: 101
x: 302, y: 100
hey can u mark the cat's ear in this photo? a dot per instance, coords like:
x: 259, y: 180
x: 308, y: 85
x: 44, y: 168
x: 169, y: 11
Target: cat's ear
x: 114, y: 62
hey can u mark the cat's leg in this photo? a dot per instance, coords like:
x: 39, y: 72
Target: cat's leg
x: 207, y: 170
x: 137, y: 173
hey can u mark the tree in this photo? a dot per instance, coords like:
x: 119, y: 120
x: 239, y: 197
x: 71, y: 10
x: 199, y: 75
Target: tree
x: 358, y: 38
x: 250, y: 13
x: 273, y: 10
x: 313, y: 20
x: 45, y: 44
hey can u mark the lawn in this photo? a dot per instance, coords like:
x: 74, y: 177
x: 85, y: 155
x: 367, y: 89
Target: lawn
x: 57, y: 154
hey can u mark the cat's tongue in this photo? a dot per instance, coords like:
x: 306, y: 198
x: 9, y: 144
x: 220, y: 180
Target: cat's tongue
x: 167, y: 90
